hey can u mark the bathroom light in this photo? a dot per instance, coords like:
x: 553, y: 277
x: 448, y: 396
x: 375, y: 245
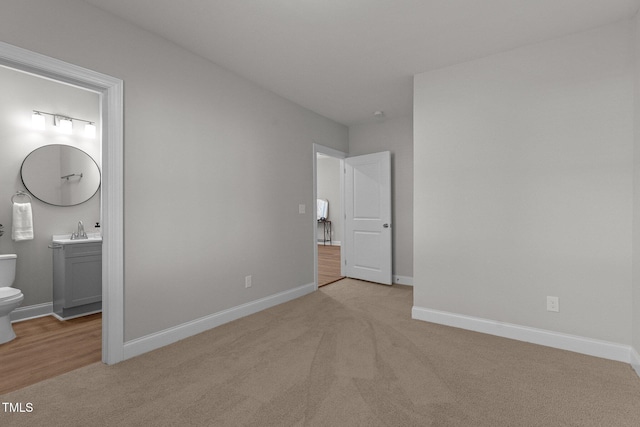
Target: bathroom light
x: 64, y: 124
x: 37, y: 120
x: 90, y: 130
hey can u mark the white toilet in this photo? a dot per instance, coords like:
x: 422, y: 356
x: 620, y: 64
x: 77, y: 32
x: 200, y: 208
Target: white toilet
x: 10, y: 298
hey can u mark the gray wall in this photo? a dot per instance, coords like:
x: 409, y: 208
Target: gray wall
x: 328, y: 171
x: 215, y: 167
x: 524, y: 184
x: 22, y: 93
x: 636, y: 191
x: 396, y: 136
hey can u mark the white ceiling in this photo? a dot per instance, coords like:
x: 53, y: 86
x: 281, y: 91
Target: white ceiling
x: 345, y: 59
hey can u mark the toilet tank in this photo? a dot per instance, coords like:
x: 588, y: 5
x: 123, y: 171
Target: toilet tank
x: 7, y: 269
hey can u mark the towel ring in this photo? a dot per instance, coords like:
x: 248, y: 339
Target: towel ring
x: 20, y: 194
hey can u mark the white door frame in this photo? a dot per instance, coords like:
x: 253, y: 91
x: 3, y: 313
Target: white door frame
x: 317, y: 148
x: 112, y: 211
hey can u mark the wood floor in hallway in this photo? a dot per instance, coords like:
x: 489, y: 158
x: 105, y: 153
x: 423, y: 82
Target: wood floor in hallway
x: 46, y: 347
x: 328, y: 264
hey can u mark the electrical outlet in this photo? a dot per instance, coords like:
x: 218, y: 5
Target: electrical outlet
x: 247, y: 281
x: 553, y: 304
x: 302, y: 209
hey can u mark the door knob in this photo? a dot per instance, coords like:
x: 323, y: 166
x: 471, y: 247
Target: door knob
x: 385, y: 225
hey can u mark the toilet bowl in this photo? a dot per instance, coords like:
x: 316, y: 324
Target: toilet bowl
x: 10, y: 298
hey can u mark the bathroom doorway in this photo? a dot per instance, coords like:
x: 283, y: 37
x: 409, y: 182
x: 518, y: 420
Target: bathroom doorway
x: 32, y: 158
x: 110, y: 152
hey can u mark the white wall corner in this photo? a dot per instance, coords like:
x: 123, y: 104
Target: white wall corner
x: 588, y: 346
x: 159, y: 339
x: 402, y: 280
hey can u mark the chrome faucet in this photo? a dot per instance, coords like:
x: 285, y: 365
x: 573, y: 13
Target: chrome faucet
x: 81, y: 233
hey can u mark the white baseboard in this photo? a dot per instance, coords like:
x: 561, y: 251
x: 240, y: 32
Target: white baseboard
x: 403, y: 280
x: 635, y: 361
x: 168, y: 336
x: 31, y: 312
x: 88, y: 313
x: 589, y: 346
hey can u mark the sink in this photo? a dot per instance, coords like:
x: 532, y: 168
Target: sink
x: 65, y: 239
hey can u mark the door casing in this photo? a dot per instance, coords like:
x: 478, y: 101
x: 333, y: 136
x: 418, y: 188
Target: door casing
x: 110, y: 90
x: 317, y: 148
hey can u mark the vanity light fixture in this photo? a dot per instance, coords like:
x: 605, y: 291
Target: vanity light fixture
x: 90, y: 130
x: 63, y: 123
x: 37, y: 120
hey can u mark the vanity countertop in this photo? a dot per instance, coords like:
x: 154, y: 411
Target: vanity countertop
x: 65, y: 239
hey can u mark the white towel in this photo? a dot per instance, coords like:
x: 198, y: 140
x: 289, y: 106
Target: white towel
x: 22, y: 228
x: 322, y: 207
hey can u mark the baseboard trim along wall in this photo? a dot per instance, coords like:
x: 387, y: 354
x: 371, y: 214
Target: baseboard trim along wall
x: 635, y: 360
x: 403, y: 280
x: 333, y: 243
x: 31, y: 312
x: 169, y: 336
x: 589, y: 346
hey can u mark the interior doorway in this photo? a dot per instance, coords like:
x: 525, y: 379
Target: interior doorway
x: 328, y: 190
x: 110, y: 91
x: 364, y: 198
x: 35, y: 154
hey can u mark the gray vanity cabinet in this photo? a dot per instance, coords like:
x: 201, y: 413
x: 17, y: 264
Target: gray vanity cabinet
x: 77, y: 279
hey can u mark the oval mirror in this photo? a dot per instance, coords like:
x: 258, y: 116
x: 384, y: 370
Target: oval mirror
x: 60, y: 175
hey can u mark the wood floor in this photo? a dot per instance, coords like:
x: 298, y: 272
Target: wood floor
x: 328, y: 264
x: 47, y: 347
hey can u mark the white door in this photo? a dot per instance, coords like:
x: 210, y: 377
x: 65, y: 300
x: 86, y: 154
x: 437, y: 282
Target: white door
x: 368, y: 217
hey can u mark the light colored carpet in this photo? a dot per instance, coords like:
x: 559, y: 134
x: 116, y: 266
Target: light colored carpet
x: 347, y: 355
